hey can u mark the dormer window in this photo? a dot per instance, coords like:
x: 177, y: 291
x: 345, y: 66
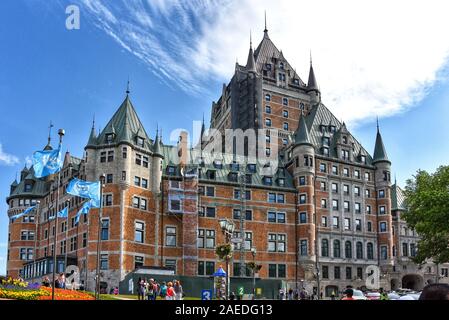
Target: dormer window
x: 281, y: 76
x: 345, y: 139
x: 326, y: 141
x: 296, y: 81
x: 140, y: 142
x: 345, y: 154
x: 109, y: 137
x: 268, y: 181
x: 218, y: 164
x: 210, y: 174
x: 28, y: 187
x: 268, y: 66
x: 171, y: 170
x: 281, y: 66
x: 233, y: 177
x: 251, y: 167
x: 326, y: 151
x: 281, y: 182
x: 301, y: 106
x: 363, y: 159
x: 234, y: 166
x: 249, y: 178
x: 332, y: 129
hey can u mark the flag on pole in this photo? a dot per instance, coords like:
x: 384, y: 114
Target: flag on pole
x: 64, y: 213
x: 85, y: 189
x: 84, y: 210
x: 47, y: 162
x: 28, y: 210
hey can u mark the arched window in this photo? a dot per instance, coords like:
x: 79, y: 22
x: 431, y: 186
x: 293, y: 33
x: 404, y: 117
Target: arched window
x: 325, y: 248
x: 359, y: 250
x: 348, y: 250
x: 369, y: 251
x: 337, y: 250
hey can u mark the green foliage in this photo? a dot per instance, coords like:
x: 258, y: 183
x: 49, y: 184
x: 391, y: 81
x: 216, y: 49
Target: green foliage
x: 224, y: 252
x: 427, y: 201
x: 254, y: 267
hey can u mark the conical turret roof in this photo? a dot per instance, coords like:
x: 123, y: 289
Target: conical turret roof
x: 302, y: 133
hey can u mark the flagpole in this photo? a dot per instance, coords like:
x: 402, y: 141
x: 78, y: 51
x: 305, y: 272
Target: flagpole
x: 36, y: 219
x: 67, y: 202
x: 61, y: 133
x: 100, y: 213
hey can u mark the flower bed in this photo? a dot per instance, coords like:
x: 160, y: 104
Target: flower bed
x: 18, y: 289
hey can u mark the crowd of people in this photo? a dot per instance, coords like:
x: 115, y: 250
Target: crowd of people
x: 295, y: 294
x: 60, y: 282
x: 151, y: 289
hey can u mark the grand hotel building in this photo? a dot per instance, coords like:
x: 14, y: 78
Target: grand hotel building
x: 329, y: 205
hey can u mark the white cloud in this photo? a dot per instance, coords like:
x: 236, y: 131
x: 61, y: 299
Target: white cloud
x: 7, y: 159
x: 370, y: 57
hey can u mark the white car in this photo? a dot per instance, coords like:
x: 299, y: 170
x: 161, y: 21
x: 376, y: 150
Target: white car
x: 358, y: 295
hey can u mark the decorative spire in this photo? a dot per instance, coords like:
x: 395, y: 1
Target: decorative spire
x: 48, y: 146
x: 157, y: 148
x: 251, y: 63
x: 265, y: 30
x: 380, y: 154
x: 312, y: 83
x: 127, y: 87
x: 92, y: 137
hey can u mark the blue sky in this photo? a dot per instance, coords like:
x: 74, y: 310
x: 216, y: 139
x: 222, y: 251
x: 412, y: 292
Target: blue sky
x: 177, y: 54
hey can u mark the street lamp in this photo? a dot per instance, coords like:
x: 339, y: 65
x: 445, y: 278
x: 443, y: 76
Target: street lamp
x: 227, y: 227
x: 100, y: 213
x: 254, y: 252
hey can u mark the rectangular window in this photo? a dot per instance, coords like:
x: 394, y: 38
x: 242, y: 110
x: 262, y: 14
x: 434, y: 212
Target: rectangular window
x: 110, y: 156
x: 268, y: 122
x: 271, y: 216
x: 346, y: 189
x: 138, y: 262
x: 210, y: 212
x: 138, y: 159
x: 303, y: 248
x: 323, y: 167
x: 84, y: 239
x: 367, y: 193
x: 324, y: 221
x: 323, y: 186
x: 303, y: 217
x: 272, y: 197
x: 272, y: 271
x: 335, y: 222
x: 302, y: 181
x: 280, y: 198
x: 382, y: 210
x: 210, y: 191
x: 268, y: 109
x: 357, y: 191
x: 285, y: 113
x: 325, y: 272
x: 302, y: 199
x: 357, y: 207
x: 348, y: 273
x: 137, y: 181
x: 383, y: 252
x: 334, y: 204
x: 358, y: 225
x: 110, y: 178
x: 367, y: 176
x: 170, y: 236
x: 346, y: 206
x: 369, y: 226
x: 368, y: 209
x: 107, y: 200
x: 139, y: 232
x: 347, y: 224
x: 145, y: 161
x: 105, y: 229
x: 175, y: 205
x: 104, y: 262
x: 336, y: 272
x: 323, y: 203
x: 381, y: 193
x: 103, y: 156
x: 383, y: 227
x: 357, y: 174
x: 346, y: 172
x: 144, y: 183
x: 285, y: 126
x: 334, y: 188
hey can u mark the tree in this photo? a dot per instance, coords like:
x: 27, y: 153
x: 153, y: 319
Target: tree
x: 427, y: 202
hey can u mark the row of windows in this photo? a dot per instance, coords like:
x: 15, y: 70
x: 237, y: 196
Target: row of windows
x: 348, y: 253
x: 345, y: 172
x: 284, y: 100
x: 337, y: 273
x: 347, y: 206
x: 141, y: 182
x: 23, y: 202
x: 358, y: 224
x: 268, y: 123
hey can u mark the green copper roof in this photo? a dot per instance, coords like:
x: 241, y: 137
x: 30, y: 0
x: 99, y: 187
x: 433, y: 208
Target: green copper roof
x: 157, y: 147
x: 125, y: 126
x: 302, y: 133
x: 320, y: 115
x: 39, y: 187
x: 379, y: 150
x: 92, y: 138
x: 397, y: 198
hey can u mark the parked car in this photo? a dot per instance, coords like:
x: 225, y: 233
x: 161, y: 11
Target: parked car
x: 358, y: 295
x: 373, y: 296
x: 393, y: 296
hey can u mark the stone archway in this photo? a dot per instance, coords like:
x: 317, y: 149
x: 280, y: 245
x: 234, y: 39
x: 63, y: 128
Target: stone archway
x: 413, y: 282
x: 395, y: 284
x: 331, y: 289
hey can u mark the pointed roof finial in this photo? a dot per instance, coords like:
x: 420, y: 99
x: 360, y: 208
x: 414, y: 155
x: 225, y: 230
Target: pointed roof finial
x: 250, y: 39
x: 377, y: 120
x: 310, y: 57
x: 265, y: 30
x: 93, y: 122
x: 49, y: 132
x: 127, y: 87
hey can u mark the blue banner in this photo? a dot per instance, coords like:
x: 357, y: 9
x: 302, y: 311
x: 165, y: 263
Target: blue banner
x: 28, y: 210
x: 47, y: 162
x: 84, y: 210
x: 85, y: 189
x: 64, y: 213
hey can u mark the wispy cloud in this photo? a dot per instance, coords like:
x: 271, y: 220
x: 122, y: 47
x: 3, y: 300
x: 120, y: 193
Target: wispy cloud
x: 6, y: 158
x: 371, y: 58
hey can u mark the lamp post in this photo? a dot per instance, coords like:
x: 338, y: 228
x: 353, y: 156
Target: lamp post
x: 100, y: 213
x: 227, y: 226
x: 254, y: 252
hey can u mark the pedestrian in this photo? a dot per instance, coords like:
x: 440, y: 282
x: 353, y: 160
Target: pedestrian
x: 232, y: 296
x: 116, y: 291
x: 333, y: 295
x: 46, y: 282
x: 170, y: 292
x: 435, y: 291
x: 140, y: 289
x: 302, y: 294
x: 290, y: 294
x: 163, y: 290
x: 281, y: 294
x: 348, y: 294
x: 178, y: 290
x: 155, y: 289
